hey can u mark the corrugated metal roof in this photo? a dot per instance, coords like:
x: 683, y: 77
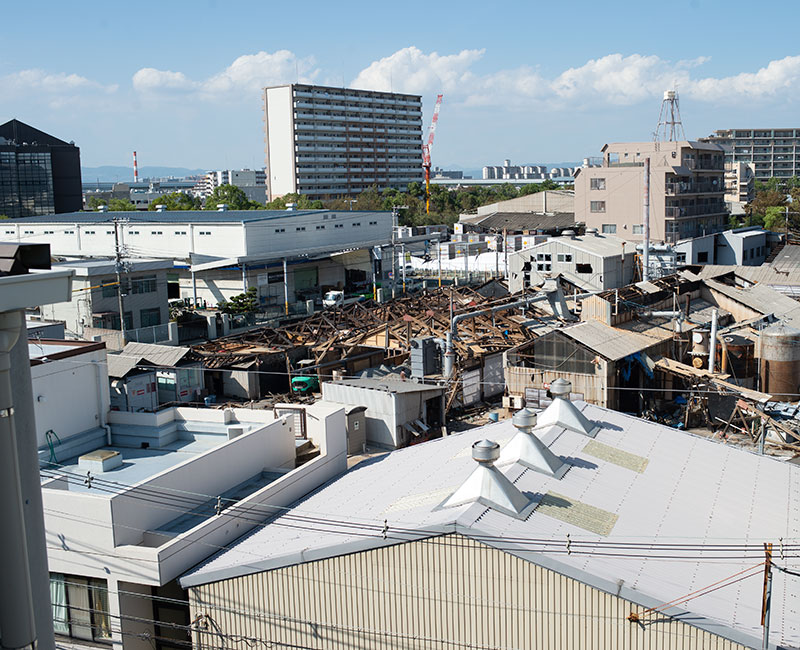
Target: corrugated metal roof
x: 121, y: 364
x: 610, y: 342
x: 157, y: 355
x: 690, y: 490
x: 523, y: 220
x: 762, y: 299
x: 389, y: 384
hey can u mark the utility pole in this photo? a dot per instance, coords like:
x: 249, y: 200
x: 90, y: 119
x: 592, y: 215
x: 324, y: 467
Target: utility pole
x: 118, y: 269
x: 646, y: 224
x: 767, y: 597
x: 403, y: 253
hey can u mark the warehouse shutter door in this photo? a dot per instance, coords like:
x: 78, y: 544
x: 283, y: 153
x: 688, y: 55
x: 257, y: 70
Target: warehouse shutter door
x: 493, y: 377
x: 471, y: 386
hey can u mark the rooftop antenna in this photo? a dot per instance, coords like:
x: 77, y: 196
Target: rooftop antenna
x: 670, y: 128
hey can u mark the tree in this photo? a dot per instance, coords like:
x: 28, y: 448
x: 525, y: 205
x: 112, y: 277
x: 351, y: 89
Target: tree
x: 95, y: 202
x: 244, y: 303
x: 302, y: 202
x: 774, y: 218
x: 176, y: 201
x: 121, y: 205
x: 232, y: 196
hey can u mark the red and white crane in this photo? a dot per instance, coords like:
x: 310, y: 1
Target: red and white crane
x: 426, y: 153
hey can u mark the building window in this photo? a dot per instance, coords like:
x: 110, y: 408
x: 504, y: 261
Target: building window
x: 338, y: 225
x: 88, y: 232
x: 150, y: 317
x: 144, y: 285
x: 80, y: 607
x: 597, y: 206
x: 609, y: 229
x: 702, y: 258
x: 597, y: 183
x: 680, y: 258
x: 638, y: 229
x: 356, y: 224
x: 109, y: 289
x: 373, y: 223
x: 564, y: 257
x: 321, y: 227
x: 583, y: 268
x: 205, y: 232
x: 133, y: 232
x: 300, y: 228
x: 27, y: 232
x: 180, y: 232
x: 279, y: 230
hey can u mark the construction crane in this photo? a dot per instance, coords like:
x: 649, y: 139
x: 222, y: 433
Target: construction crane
x: 426, y: 153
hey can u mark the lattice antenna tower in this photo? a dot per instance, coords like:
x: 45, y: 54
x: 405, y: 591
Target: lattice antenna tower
x: 670, y: 128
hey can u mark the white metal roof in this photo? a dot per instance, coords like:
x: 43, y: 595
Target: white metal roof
x: 653, y: 483
x: 611, y: 342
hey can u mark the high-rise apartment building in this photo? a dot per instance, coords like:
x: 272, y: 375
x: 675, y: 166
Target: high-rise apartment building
x: 329, y: 142
x: 39, y: 174
x: 772, y: 152
x: 686, y: 190
x: 251, y: 181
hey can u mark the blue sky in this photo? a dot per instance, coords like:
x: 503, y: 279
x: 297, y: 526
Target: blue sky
x: 531, y: 81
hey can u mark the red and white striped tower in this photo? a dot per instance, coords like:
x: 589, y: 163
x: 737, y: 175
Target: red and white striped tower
x: 135, y: 169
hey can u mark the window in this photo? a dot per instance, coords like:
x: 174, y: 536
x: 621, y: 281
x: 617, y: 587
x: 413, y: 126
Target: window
x: 338, y: 225
x: 279, y: 230
x: 638, y: 229
x: 702, y: 258
x: 133, y: 232
x: 300, y: 228
x: 321, y: 227
x: 204, y: 232
x: 583, y: 268
x: 27, y: 232
x: 80, y: 607
x: 145, y: 284
x: 745, y: 252
x: 563, y: 257
x: 88, y: 232
x: 49, y: 232
x: 609, y: 229
x: 156, y: 232
x: 680, y: 258
x: 373, y: 223
x: 356, y: 224
x: 597, y: 206
x: 543, y: 267
x: 597, y: 184
x: 150, y: 317
x: 109, y: 288
x: 180, y: 232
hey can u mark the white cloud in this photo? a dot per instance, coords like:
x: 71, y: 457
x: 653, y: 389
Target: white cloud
x: 51, y: 83
x: 781, y: 76
x: 248, y: 73
x: 412, y: 71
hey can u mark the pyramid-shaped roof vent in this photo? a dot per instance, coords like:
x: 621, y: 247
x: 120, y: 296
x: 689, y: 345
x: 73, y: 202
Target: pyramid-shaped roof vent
x: 488, y: 486
x: 563, y: 413
x: 527, y: 450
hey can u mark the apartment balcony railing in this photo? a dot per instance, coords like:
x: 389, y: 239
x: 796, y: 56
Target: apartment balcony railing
x: 673, y: 189
x: 678, y: 212
x: 704, y: 164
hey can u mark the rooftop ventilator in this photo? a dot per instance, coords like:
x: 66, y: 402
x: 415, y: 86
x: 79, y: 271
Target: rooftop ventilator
x: 527, y: 450
x: 488, y: 486
x: 563, y: 413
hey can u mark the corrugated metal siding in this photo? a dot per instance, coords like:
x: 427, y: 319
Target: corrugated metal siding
x: 443, y: 592
x: 593, y: 387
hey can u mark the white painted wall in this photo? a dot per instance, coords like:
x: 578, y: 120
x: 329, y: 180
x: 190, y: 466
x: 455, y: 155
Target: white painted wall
x: 70, y: 395
x: 280, y: 141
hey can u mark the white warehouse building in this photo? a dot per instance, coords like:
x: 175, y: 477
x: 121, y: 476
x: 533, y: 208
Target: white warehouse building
x: 218, y: 254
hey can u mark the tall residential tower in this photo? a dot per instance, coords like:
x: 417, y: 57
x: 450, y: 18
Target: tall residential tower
x: 330, y: 142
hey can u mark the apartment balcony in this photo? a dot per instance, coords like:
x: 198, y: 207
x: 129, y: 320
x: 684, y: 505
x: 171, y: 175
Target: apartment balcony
x: 703, y: 163
x: 681, y: 212
x: 674, y: 189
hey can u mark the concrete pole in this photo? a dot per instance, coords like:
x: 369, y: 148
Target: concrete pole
x: 712, y: 344
x: 194, y: 289
x: 374, y: 281
x: 17, y: 620
x: 439, y: 260
x: 244, y: 277
x: 466, y: 262
x: 118, y: 270
x: 285, y: 286
x: 25, y: 426
x: 646, y: 224
x: 403, y: 253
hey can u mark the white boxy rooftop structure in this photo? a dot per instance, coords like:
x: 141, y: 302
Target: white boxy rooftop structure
x: 130, y: 512
x: 641, y: 517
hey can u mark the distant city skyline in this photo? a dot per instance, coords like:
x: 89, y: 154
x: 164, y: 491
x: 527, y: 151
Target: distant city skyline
x: 531, y: 83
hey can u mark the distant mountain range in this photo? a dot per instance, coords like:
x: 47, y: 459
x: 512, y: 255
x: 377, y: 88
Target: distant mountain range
x: 113, y: 174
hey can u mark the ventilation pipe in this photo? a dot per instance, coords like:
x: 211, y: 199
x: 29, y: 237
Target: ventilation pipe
x: 563, y: 413
x: 527, y: 450
x: 488, y: 486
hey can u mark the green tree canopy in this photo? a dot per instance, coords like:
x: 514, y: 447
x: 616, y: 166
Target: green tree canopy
x: 774, y: 218
x: 232, y: 196
x: 303, y: 203
x: 176, y: 201
x: 244, y: 303
x: 121, y: 205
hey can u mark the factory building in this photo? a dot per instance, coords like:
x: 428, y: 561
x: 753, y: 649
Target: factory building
x: 328, y: 142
